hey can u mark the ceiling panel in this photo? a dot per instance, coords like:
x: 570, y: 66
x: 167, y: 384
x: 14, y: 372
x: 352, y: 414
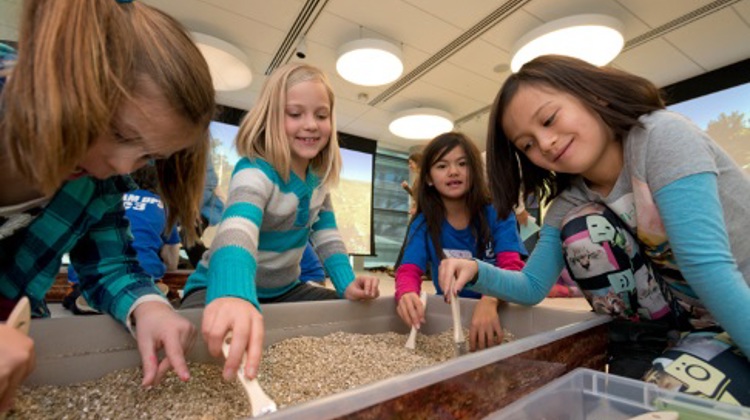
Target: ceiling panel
x: 505, y: 34
x: 481, y: 58
x: 704, y: 41
x: 396, y: 20
x: 743, y: 9
x: 649, y: 60
x: 462, y: 82
x: 9, y: 19
x: 460, y: 17
x: 655, y: 13
x: 248, y: 34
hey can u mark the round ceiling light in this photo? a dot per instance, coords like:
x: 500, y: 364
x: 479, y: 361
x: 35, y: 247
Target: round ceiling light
x: 421, y: 123
x: 369, y: 62
x: 591, y: 37
x: 226, y: 63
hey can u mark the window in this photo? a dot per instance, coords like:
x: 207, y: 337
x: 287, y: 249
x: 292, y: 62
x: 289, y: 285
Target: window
x: 391, y: 207
x: 718, y: 102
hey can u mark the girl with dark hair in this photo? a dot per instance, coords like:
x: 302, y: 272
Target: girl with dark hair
x: 648, y: 214
x: 454, y: 219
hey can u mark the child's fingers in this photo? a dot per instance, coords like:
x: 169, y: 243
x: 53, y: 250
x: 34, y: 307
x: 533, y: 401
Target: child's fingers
x: 403, y: 313
x: 162, y: 370
x: 415, y: 311
x: 406, y: 309
x: 476, y: 339
x: 211, y: 333
x: 237, y: 347
x: 174, y: 351
x: 499, y: 334
x: 444, y: 276
x: 8, y: 393
x: 255, y: 350
x: 149, y: 361
x: 374, y: 287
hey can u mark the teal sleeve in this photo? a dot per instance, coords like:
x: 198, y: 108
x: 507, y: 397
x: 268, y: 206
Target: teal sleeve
x: 694, y: 221
x: 530, y: 285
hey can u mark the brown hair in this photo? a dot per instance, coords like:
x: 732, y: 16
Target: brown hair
x: 262, y: 133
x: 619, y: 98
x: 147, y: 178
x: 429, y: 201
x: 78, y: 60
x: 416, y: 157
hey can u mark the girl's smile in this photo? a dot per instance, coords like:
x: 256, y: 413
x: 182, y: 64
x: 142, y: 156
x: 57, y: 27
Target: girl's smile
x: 307, y: 121
x: 561, y: 153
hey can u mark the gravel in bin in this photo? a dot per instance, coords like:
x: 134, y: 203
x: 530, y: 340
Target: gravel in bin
x: 292, y: 371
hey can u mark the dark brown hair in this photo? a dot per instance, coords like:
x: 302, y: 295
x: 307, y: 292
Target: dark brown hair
x: 429, y: 201
x: 618, y: 97
x: 147, y: 178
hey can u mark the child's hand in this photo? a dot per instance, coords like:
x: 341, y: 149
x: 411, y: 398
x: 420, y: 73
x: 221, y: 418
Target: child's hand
x: 158, y: 326
x: 246, y: 324
x: 485, y: 328
x: 16, y: 362
x: 363, y: 288
x: 411, y: 310
x: 454, y: 273
x: 523, y: 217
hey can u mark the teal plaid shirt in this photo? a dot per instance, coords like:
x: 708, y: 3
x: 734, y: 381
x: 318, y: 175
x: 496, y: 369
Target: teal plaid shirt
x: 86, y: 218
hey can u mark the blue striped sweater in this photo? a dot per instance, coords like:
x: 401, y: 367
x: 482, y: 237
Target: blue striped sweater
x: 263, y: 233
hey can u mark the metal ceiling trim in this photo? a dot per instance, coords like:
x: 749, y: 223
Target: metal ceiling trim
x: 679, y: 22
x: 302, y: 24
x: 502, y: 12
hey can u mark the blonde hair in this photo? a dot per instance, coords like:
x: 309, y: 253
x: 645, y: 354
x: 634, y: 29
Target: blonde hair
x: 262, y: 133
x: 78, y: 60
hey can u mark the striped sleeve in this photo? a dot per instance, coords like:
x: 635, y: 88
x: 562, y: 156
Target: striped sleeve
x: 330, y: 248
x: 233, y: 262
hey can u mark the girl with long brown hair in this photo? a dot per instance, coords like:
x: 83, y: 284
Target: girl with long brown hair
x: 98, y: 88
x: 648, y: 214
x: 454, y: 219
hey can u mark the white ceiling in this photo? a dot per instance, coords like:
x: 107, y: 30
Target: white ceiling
x: 452, y: 50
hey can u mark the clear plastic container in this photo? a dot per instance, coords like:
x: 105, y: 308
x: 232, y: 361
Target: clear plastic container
x: 585, y: 394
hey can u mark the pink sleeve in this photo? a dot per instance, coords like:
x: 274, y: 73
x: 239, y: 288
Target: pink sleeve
x: 509, y: 261
x: 408, y: 279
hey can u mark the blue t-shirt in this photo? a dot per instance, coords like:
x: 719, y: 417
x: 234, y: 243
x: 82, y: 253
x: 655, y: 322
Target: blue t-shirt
x: 460, y: 243
x: 310, y: 267
x: 148, y: 220
x: 212, y: 206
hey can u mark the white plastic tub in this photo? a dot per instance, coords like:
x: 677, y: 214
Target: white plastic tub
x: 74, y: 349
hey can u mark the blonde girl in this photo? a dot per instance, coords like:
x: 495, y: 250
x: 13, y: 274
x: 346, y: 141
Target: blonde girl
x: 454, y: 218
x: 98, y: 89
x: 278, y: 198
x: 648, y: 214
